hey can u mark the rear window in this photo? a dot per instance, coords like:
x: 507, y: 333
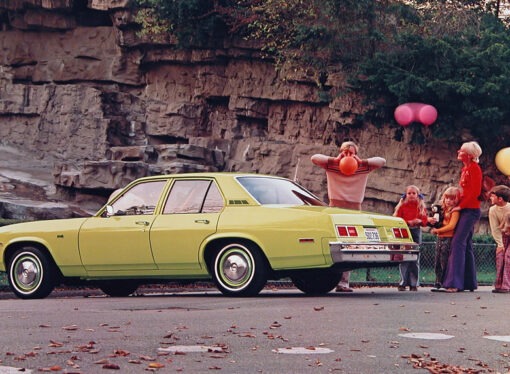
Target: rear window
x: 278, y: 191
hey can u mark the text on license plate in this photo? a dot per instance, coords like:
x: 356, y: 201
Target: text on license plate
x: 372, y: 234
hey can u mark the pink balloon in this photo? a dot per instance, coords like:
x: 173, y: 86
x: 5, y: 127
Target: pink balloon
x: 427, y: 115
x: 404, y: 115
x: 415, y: 112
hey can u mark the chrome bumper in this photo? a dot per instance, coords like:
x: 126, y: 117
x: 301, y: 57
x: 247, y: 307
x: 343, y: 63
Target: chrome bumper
x: 373, y: 252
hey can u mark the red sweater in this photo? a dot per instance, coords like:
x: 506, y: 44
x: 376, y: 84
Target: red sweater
x: 410, y: 210
x: 471, y: 184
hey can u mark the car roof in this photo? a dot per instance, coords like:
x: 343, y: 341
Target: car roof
x: 216, y: 175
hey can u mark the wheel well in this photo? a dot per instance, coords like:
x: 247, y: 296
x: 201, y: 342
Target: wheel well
x: 213, y: 248
x: 9, y: 252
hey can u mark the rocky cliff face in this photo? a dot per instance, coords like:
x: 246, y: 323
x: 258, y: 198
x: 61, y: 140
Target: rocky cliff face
x: 86, y: 106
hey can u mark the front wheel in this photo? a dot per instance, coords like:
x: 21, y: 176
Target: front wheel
x: 31, y: 273
x: 316, y: 282
x: 240, y: 270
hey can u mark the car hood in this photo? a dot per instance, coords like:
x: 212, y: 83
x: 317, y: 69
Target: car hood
x: 40, y: 226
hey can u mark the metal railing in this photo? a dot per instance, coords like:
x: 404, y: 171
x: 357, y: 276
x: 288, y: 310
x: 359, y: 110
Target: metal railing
x: 484, y: 259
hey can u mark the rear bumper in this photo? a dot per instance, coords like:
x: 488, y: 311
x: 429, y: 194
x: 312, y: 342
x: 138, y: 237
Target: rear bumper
x: 373, y: 252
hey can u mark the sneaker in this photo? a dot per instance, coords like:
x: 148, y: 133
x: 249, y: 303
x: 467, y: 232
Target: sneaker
x: 343, y: 289
x: 413, y: 288
x: 401, y: 288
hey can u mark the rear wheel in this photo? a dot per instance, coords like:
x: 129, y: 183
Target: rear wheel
x: 240, y: 269
x: 31, y: 273
x: 316, y: 282
x: 118, y: 288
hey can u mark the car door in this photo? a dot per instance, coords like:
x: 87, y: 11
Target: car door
x: 190, y: 214
x: 121, y: 242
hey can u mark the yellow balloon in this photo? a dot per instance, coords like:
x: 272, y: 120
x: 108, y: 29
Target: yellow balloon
x: 502, y: 161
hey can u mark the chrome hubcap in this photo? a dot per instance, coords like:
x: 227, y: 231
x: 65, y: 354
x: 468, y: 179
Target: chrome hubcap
x: 27, y: 273
x: 235, y: 267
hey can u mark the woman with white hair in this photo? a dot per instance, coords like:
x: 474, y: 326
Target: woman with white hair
x: 461, y: 270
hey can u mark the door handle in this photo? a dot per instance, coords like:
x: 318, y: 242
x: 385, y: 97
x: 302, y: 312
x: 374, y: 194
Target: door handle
x: 206, y: 221
x: 143, y: 223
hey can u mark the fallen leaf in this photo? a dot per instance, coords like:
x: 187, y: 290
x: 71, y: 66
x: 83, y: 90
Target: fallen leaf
x: 121, y: 352
x: 156, y: 365
x: 101, y: 362
x: 70, y: 328
x: 111, y: 366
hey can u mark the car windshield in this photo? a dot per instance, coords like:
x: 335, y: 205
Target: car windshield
x: 278, y: 191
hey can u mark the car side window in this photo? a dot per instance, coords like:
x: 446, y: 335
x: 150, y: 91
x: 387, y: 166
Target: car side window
x: 141, y: 199
x: 213, y: 201
x: 193, y: 196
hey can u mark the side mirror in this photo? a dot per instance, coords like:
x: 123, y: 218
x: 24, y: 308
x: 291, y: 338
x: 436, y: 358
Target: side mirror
x: 109, y: 211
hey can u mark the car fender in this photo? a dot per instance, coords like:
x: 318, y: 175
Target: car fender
x: 230, y: 237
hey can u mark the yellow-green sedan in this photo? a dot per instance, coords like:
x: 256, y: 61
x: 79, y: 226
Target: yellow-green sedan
x: 237, y: 229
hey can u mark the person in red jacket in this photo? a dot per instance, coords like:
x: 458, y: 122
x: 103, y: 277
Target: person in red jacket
x: 461, y: 271
x: 411, y: 208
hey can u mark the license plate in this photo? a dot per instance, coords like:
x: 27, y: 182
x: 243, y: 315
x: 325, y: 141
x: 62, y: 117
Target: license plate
x: 372, y: 234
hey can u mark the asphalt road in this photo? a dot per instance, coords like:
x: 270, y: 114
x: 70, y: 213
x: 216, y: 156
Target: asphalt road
x: 373, y: 330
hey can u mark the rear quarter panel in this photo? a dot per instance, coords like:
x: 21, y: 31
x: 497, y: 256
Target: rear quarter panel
x: 291, y: 238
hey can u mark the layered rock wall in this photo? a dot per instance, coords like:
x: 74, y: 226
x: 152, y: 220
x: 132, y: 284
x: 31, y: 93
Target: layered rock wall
x: 82, y: 93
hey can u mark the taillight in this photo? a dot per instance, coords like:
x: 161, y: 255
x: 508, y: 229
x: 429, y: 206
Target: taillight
x: 400, y: 233
x: 349, y: 231
x: 396, y: 233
